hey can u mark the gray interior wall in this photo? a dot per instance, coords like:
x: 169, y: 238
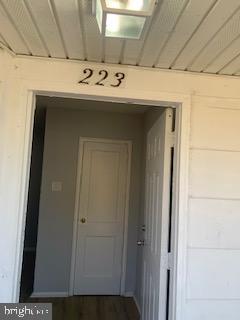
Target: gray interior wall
x: 150, y: 118
x: 63, y: 129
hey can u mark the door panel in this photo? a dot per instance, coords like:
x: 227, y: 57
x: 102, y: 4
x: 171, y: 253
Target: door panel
x: 157, y: 204
x: 99, y: 249
x: 102, y: 201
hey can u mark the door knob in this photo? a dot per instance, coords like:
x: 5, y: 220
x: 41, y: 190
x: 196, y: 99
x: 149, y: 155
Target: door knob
x: 140, y: 242
x: 83, y: 220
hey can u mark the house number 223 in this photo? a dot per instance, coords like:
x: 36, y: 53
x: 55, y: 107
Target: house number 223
x: 102, y: 78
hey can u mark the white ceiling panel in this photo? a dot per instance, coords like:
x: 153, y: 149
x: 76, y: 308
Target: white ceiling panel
x: 161, y: 28
x: 68, y: 13
x: 10, y: 33
x: 219, y: 14
x: 132, y: 49
x: 193, y: 35
x: 92, y: 37
x: 25, y: 26
x: 222, y: 60
x: 2, y: 41
x: 223, y: 38
x: 233, y: 67
x: 192, y: 16
x: 238, y: 72
x: 45, y: 20
x: 112, y: 50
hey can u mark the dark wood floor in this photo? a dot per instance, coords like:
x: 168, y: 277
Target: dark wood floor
x: 92, y: 308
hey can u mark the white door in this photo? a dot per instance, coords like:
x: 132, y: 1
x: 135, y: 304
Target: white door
x: 102, y: 201
x: 157, y: 213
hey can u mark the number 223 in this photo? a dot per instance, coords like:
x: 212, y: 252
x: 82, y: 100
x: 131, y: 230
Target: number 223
x: 104, y: 75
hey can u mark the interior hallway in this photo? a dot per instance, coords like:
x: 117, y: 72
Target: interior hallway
x: 92, y: 308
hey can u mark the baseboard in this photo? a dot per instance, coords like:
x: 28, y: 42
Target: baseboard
x: 49, y: 294
x: 137, y: 304
x: 128, y: 294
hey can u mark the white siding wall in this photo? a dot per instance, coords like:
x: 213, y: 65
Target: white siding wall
x: 213, y: 242
x: 213, y: 282
x: 6, y: 256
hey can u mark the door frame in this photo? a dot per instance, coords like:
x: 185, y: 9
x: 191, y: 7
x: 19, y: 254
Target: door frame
x: 82, y: 140
x: 31, y: 87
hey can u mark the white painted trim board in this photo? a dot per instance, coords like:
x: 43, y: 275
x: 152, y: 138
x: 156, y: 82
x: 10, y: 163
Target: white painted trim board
x: 183, y: 103
x: 50, y: 294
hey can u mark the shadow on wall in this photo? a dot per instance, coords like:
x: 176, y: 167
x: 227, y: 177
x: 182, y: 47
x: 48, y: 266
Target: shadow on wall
x: 30, y: 241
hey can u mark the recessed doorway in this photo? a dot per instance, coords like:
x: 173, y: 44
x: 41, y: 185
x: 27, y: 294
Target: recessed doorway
x: 105, y: 214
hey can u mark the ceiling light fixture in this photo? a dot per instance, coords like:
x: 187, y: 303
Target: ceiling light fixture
x: 123, y: 18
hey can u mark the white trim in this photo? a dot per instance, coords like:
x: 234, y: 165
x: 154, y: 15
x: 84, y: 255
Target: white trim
x: 49, y: 294
x: 137, y: 304
x: 75, y: 219
x: 183, y: 104
x: 25, y: 174
x: 209, y: 76
x: 180, y: 209
x: 126, y: 218
x: 76, y: 210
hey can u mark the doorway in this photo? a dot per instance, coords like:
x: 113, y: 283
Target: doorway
x: 155, y: 117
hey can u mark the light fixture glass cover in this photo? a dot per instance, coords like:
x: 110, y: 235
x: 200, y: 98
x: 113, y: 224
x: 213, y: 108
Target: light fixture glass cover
x: 121, y: 26
x: 123, y: 18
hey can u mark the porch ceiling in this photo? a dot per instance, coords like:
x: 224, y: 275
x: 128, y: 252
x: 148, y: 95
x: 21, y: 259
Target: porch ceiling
x: 192, y: 35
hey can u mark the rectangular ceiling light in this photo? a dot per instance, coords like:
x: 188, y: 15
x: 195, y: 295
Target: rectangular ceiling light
x: 123, y: 18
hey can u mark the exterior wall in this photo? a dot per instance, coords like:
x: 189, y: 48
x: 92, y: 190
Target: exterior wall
x: 212, y: 289
x: 63, y: 129
x: 8, y: 185
x: 213, y: 284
